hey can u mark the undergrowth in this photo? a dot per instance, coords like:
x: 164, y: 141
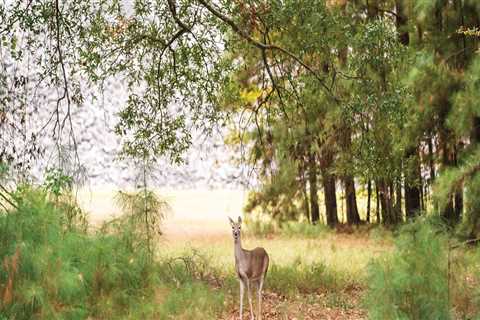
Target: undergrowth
x: 304, y: 278
x: 51, y: 271
x: 259, y: 226
x: 425, y: 277
x: 52, y: 268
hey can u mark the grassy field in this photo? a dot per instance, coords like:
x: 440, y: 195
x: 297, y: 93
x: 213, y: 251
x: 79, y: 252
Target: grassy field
x: 56, y: 266
x: 310, y: 276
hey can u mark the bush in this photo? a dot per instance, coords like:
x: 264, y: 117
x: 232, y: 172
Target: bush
x: 303, y: 229
x: 260, y: 226
x: 144, y: 212
x: 52, y: 271
x: 411, y: 283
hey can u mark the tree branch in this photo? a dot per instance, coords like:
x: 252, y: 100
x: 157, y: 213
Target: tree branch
x: 264, y: 46
x: 6, y: 198
x: 66, y: 93
x: 173, y: 9
x: 12, y: 23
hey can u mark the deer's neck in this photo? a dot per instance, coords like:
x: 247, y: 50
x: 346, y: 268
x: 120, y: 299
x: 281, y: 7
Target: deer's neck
x: 239, y: 254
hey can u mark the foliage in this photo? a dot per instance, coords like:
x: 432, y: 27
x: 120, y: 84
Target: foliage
x: 56, y: 182
x: 260, y: 226
x: 50, y: 272
x: 59, y: 186
x: 143, y: 212
x: 316, y: 92
x: 412, y: 282
x: 303, y: 229
x: 464, y: 280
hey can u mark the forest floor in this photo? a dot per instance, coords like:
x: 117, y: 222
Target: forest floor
x: 312, y: 307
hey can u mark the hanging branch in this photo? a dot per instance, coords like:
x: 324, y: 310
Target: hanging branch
x: 9, y: 26
x: 10, y: 202
x: 248, y: 38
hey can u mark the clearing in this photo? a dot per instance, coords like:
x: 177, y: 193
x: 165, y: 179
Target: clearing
x: 198, y: 223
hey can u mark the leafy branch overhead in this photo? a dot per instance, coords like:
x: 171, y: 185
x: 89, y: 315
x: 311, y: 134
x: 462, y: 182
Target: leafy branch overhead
x: 172, y: 56
x: 380, y: 96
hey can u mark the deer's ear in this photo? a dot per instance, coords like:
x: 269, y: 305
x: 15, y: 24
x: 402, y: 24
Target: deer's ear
x: 231, y: 221
x: 239, y: 219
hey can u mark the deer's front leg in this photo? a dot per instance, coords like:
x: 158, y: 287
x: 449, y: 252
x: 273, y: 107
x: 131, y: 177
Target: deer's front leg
x: 242, y: 289
x: 250, y: 299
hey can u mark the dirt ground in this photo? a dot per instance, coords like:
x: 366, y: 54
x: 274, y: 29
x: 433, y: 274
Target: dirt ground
x: 314, y: 308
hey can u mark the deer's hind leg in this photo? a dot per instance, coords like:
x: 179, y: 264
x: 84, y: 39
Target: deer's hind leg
x: 259, y: 288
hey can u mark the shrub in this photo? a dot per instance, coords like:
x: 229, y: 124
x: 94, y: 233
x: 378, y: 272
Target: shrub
x: 465, y: 282
x: 412, y: 282
x: 144, y: 212
x: 303, y: 229
x: 260, y: 226
x: 49, y: 271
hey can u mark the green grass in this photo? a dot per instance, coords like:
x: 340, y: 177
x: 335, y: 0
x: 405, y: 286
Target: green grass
x: 57, y: 270
x: 192, y: 300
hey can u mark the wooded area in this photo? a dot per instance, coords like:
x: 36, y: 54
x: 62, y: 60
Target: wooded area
x: 335, y: 96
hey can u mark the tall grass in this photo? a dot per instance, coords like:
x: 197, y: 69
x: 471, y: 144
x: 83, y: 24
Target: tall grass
x: 423, y: 278
x: 53, y: 269
x: 49, y: 271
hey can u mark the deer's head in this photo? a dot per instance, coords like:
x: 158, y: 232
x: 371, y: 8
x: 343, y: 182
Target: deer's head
x: 236, y: 227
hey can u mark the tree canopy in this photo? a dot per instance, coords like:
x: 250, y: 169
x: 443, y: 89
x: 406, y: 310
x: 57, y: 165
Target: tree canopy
x: 374, y: 96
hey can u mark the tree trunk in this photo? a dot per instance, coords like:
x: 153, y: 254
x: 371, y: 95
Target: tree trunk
x: 312, y: 179
x: 412, y: 190
x: 329, y: 189
x: 351, y: 201
x: 330, y: 199
x: 401, y: 23
x: 475, y: 134
x: 386, y: 203
x: 394, y: 213
x: 369, y: 198
x: 431, y: 160
x: 306, y: 203
x: 448, y: 212
x: 377, y: 210
x: 398, y: 202
x: 458, y: 197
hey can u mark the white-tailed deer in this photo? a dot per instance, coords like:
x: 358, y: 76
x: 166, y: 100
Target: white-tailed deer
x: 251, y: 267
